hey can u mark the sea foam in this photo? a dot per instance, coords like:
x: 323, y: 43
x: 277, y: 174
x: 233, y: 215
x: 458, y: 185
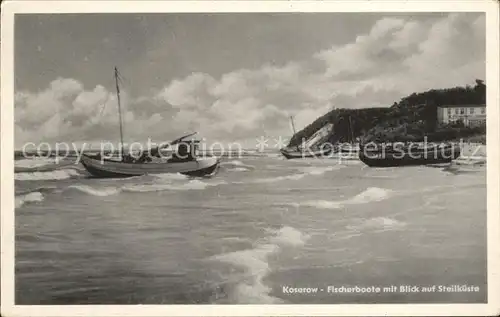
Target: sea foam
x: 191, y: 185
x: 34, y: 162
x: 238, y: 169
x: 48, y: 175
x: 236, y: 163
x: 371, y: 194
x: 377, y: 223
x: 251, y: 288
x: 306, y: 171
x: 26, y: 198
x: 170, y: 176
x: 101, y: 192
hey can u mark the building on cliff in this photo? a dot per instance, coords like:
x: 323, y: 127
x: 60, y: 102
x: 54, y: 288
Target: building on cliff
x: 470, y: 115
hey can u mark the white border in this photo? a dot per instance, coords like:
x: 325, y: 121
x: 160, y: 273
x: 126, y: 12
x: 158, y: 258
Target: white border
x: 491, y: 7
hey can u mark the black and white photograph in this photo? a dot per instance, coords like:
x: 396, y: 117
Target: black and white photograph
x: 280, y: 157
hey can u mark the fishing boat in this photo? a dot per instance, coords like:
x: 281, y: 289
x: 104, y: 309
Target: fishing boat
x: 313, y: 147
x: 308, y: 153
x: 347, y: 150
x: 184, y: 160
x: 349, y: 147
x: 110, y: 168
x: 414, y: 154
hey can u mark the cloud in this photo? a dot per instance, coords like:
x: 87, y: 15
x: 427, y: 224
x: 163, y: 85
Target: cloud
x: 65, y: 111
x: 396, y: 57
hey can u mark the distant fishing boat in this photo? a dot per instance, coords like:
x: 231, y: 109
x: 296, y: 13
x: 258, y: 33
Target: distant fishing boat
x: 347, y: 150
x: 312, y: 147
x: 389, y: 156
x: 296, y: 154
x: 183, y: 161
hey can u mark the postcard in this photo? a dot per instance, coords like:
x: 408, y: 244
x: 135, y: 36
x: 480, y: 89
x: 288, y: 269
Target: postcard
x: 250, y: 158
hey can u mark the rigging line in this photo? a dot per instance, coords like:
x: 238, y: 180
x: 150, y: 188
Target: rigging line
x: 123, y: 79
x: 92, y: 121
x: 120, y: 78
x: 103, y: 106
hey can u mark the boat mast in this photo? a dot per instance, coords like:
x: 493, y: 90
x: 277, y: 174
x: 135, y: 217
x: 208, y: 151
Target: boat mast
x: 119, y: 110
x: 293, y: 126
x: 352, y: 131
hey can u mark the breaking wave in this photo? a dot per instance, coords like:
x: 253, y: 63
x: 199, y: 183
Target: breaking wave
x: 280, y: 178
x: 238, y: 164
x: 35, y: 196
x: 318, y: 170
x: 191, y: 185
x: 101, y: 192
x: 238, y: 169
x: 47, y: 175
x: 371, y: 194
x: 307, y: 171
x: 34, y: 162
x: 170, y: 176
x: 153, y: 187
x: 249, y: 288
x: 382, y: 223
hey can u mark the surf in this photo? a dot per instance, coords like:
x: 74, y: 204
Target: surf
x: 101, y: 192
x: 250, y: 286
x: 34, y: 162
x: 304, y: 171
x: 191, y: 185
x: 377, y: 223
x: 31, y: 197
x: 162, y: 182
x: 237, y: 166
x: 371, y: 194
x: 57, y: 174
x: 237, y: 163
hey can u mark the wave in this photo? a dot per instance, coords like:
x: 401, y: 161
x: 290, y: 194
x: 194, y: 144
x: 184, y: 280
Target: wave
x: 320, y: 204
x: 238, y: 169
x: 372, y: 194
x: 279, y: 178
x: 314, y: 170
x: 47, y: 175
x: 377, y: 223
x: 43, y: 189
x: 307, y: 171
x: 170, y: 176
x: 34, y: 162
x: 34, y: 196
x: 289, y: 236
x: 101, y: 192
x: 250, y: 288
x: 154, y: 187
x: 236, y: 163
x: 191, y: 185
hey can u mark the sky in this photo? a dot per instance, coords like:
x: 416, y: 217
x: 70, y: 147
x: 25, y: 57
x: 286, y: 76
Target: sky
x: 230, y: 77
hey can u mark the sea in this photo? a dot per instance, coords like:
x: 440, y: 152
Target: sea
x: 264, y: 230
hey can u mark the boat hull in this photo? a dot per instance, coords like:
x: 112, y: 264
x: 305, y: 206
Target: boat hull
x: 113, y: 169
x: 394, y: 159
x: 308, y: 154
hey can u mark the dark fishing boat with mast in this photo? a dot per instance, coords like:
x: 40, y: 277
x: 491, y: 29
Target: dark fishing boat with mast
x: 349, y: 148
x: 408, y: 153
x: 184, y: 160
